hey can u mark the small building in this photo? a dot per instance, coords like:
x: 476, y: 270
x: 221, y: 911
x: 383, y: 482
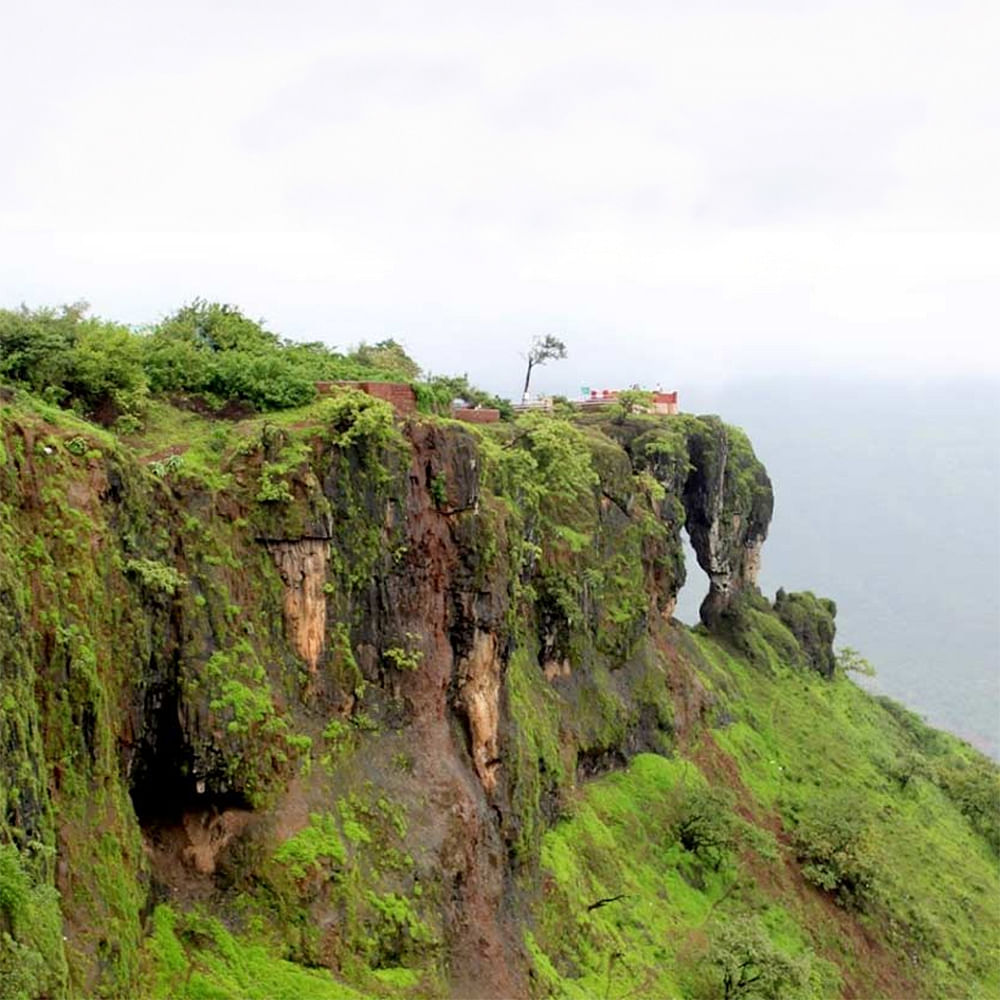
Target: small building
x: 598, y: 399
x: 399, y: 394
x: 543, y: 403
x: 665, y: 402
x: 475, y: 414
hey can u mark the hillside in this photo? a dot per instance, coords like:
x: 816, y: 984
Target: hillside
x: 327, y: 703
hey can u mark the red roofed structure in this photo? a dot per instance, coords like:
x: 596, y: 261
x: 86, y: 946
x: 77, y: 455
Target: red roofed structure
x: 663, y: 402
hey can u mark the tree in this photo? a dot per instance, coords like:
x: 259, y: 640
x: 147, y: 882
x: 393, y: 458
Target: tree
x: 851, y: 661
x: 630, y: 401
x: 216, y: 326
x: 389, y: 357
x: 749, y: 965
x: 35, y: 347
x: 547, y: 348
x: 89, y: 364
x: 703, y: 823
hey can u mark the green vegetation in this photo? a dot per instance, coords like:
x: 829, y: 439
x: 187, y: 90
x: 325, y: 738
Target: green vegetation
x: 192, y: 956
x: 834, y: 843
x: 629, y: 401
x: 261, y: 668
x: 542, y: 350
x: 746, y: 963
x: 109, y: 372
x: 437, y: 393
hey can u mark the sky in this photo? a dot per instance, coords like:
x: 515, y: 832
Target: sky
x: 684, y: 192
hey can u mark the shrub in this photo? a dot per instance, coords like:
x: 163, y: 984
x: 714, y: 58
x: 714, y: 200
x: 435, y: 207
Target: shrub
x: 631, y: 401
x: 93, y: 366
x: 835, y: 845
x: 974, y: 786
x: 704, y: 824
x: 387, y: 356
x: 156, y: 576
x: 744, y: 963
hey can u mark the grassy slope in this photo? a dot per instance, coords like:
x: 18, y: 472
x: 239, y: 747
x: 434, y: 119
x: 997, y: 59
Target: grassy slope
x: 788, y: 739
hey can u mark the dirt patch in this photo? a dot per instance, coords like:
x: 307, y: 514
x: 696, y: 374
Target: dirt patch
x: 183, y: 856
x: 165, y: 453
x: 233, y: 409
x: 691, y: 701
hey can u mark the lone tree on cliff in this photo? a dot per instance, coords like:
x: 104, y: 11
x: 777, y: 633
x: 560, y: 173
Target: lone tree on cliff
x: 547, y: 348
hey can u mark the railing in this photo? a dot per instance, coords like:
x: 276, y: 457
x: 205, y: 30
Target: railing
x: 532, y: 404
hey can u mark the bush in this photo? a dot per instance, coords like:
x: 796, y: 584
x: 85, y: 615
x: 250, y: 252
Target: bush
x: 93, y: 366
x: 438, y: 392
x: 704, y: 824
x: 387, y: 356
x: 974, y: 786
x: 157, y: 577
x: 835, y: 845
x: 743, y: 963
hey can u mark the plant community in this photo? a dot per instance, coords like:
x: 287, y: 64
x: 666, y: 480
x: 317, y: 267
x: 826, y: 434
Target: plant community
x: 301, y: 697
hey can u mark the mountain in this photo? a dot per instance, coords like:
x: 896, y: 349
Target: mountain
x: 333, y: 702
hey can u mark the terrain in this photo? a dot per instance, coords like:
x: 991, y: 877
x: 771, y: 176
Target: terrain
x: 328, y: 702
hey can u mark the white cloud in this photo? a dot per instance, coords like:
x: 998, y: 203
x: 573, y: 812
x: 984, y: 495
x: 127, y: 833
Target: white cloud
x: 791, y: 185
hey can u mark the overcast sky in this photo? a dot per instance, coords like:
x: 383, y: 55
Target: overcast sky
x: 683, y: 191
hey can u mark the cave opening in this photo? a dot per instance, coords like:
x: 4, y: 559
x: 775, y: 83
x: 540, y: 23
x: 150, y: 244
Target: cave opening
x: 165, y: 784
x: 187, y: 817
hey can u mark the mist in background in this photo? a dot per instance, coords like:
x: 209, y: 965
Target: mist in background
x: 887, y: 499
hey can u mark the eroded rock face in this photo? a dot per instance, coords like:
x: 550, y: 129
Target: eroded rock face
x: 715, y: 487
x: 208, y: 834
x: 302, y: 566
x: 729, y: 502
x: 437, y: 600
x: 479, y: 697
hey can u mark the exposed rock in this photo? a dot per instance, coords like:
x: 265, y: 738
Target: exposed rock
x: 811, y: 620
x: 479, y: 697
x: 302, y: 566
x: 728, y: 501
x: 208, y: 834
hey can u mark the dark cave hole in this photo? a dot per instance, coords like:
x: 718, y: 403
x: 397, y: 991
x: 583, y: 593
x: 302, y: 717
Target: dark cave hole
x: 165, y: 785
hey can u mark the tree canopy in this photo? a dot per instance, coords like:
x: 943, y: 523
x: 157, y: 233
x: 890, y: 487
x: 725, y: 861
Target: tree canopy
x: 105, y: 370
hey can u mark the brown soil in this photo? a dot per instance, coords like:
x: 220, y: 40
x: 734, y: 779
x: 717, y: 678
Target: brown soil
x: 159, y: 456
x: 183, y: 855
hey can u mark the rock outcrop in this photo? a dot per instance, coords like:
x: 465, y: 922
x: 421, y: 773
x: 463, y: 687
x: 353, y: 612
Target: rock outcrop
x: 302, y: 565
x: 728, y: 501
x: 811, y: 620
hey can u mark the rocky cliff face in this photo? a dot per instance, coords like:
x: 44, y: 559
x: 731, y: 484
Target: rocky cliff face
x: 729, y: 503
x: 340, y: 686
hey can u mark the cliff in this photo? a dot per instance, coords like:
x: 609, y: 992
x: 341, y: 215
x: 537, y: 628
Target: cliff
x: 334, y: 704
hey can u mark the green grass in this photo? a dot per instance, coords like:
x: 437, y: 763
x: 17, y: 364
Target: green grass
x: 798, y: 743
x: 194, y: 957
x: 625, y: 907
